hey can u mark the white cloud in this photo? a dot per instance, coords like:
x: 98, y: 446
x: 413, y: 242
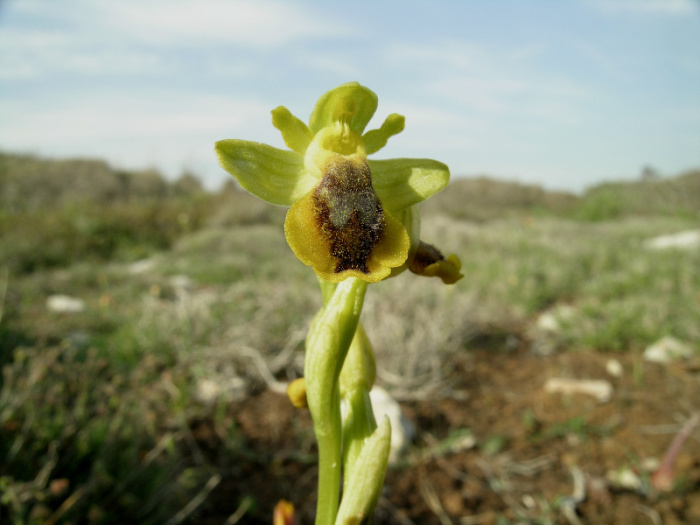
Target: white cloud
x: 136, y: 37
x: 535, y: 95
x: 259, y: 23
x: 121, y: 116
x: 493, y: 81
x: 108, y: 78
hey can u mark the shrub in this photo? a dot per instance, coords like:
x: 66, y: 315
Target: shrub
x: 60, y: 237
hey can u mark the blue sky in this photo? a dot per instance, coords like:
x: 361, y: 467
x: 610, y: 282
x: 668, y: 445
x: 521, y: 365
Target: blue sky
x: 563, y: 94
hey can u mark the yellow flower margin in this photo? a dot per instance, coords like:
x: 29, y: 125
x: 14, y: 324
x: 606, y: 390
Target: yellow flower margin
x: 349, y: 216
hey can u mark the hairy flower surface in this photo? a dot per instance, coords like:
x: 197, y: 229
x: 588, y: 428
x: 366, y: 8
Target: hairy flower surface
x: 349, y: 216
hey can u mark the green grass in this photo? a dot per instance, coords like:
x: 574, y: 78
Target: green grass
x: 623, y: 295
x: 94, y: 405
x: 69, y: 419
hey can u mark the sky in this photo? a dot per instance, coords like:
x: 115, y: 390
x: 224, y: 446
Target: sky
x: 565, y: 94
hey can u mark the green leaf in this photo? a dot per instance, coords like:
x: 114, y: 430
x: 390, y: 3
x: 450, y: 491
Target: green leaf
x: 348, y: 98
x: 295, y: 133
x: 401, y: 183
x: 364, y: 487
x: 274, y: 175
x: 376, y: 139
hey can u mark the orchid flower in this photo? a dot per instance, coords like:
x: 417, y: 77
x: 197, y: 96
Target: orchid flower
x: 349, y: 216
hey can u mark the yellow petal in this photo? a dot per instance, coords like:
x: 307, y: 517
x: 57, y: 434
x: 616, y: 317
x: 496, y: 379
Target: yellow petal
x: 295, y: 133
x: 304, y: 236
x: 392, y: 251
x: 283, y: 513
x: 342, y: 233
x: 296, y: 392
x: 376, y: 139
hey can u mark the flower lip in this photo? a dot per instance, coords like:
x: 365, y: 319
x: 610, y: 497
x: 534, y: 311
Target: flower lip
x: 341, y: 228
x: 348, y: 213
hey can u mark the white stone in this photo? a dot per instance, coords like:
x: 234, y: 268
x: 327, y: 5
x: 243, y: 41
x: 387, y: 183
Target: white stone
x: 649, y: 464
x: 600, y: 389
x: 142, y: 266
x: 402, y: 429
x: 209, y: 390
x: 529, y: 502
x: 683, y: 240
x: 548, y: 322
x: 65, y: 304
x: 614, y: 368
x: 666, y: 350
x: 551, y: 321
x: 182, y: 282
x: 624, y: 478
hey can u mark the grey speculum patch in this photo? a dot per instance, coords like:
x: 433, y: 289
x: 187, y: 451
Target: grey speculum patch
x: 349, y: 213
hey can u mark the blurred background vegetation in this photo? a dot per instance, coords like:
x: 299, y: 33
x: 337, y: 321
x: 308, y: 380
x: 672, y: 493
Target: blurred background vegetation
x: 188, y: 300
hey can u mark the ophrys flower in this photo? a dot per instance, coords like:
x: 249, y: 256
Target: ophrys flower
x: 349, y: 215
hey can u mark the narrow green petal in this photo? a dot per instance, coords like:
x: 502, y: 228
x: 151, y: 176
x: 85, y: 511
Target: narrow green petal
x: 274, y: 175
x: 295, y: 133
x: 401, y: 183
x: 376, y: 139
x: 348, y: 98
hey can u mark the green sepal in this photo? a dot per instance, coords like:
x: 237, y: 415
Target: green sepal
x: 376, y: 139
x: 364, y: 487
x: 274, y: 175
x: 352, y: 99
x: 401, y: 183
x: 297, y: 135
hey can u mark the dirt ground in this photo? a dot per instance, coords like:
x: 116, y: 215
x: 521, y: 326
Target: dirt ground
x: 531, y: 448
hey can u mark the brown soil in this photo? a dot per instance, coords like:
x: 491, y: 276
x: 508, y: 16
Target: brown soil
x: 529, y: 446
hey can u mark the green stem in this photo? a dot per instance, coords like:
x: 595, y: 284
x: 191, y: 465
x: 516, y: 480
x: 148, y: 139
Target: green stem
x: 329, y: 468
x: 326, y: 347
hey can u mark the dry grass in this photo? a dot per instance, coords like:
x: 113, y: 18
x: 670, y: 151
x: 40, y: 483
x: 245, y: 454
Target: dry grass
x: 102, y: 398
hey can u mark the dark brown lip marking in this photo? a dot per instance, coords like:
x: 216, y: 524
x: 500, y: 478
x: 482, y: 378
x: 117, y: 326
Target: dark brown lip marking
x: 349, y: 213
x: 426, y: 254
